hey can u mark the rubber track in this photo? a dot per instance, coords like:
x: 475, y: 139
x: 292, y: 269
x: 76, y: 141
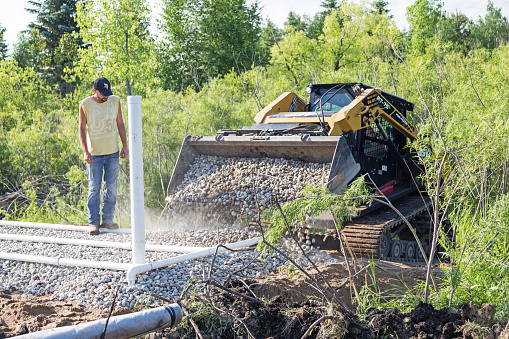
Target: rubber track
x: 365, y: 233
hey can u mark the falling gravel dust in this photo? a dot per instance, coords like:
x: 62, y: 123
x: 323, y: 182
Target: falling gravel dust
x: 290, y: 305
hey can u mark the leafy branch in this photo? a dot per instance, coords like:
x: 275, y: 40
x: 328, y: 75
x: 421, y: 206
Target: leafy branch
x: 314, y: 201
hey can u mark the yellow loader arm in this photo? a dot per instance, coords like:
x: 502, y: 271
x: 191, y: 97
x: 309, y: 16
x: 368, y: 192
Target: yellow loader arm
x: 364, y: 110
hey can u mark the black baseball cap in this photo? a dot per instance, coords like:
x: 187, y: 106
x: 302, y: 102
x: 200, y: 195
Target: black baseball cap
x: 103, y: 86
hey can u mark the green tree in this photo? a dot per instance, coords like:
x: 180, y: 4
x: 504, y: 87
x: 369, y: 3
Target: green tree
x: 179, y: 53
x: 204, y: 39
x: 297, y: 22
x: 465, y: 34
x: 492, y: 31
x: 232, y: 33
x: 330, y: 5
x: 54, y: 19
x: 30, y: 52
x: 119, y: 45
x: 345, y: 34
x: 315, y: 26
x: 456, y: 29
x: 3, y: 45
x: 23, y: 93
x: 380, y: 7
x: 56, y: 22
x: 271, y: 34
x: 424, y: 17
x: 296, y: 53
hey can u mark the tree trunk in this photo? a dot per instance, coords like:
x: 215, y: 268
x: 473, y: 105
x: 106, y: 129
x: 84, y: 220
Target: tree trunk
x: 128, y: 87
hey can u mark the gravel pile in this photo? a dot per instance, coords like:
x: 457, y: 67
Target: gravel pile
x: 223, y: 187
x: 96, y: 287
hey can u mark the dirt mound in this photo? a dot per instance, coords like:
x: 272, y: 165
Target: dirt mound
x: 465, y: 321
x: 267, y: 319
x: 292, y: 307
x: 278, y: 319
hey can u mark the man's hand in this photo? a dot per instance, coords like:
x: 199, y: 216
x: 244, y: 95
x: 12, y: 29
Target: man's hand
x: 88, y: 158
x: 124, y: 152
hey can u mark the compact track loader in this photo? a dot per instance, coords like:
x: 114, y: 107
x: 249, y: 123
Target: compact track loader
x: 359, y: 130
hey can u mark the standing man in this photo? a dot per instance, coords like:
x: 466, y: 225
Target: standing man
x: 101, y: 116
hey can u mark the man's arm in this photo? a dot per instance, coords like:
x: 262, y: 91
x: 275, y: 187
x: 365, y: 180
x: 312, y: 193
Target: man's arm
x: 121, y: 131
x: 83, y: 136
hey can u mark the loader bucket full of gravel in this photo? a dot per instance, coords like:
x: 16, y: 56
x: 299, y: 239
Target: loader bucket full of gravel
x: 222, y: 188
x: 215, y: 177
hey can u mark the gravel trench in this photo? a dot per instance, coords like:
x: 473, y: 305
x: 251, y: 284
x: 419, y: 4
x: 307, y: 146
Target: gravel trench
x: 217, y: 188
x: 92, y: 287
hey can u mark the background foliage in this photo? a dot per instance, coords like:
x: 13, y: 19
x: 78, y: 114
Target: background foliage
x: 202, y: 71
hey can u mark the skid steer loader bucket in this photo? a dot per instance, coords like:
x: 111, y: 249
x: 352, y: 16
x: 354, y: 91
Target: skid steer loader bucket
x: 343, y: 167
x: 319, y: 149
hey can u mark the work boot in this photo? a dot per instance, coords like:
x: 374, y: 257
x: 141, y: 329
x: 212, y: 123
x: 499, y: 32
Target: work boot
x: 93, y: 229
x: 110, y: 225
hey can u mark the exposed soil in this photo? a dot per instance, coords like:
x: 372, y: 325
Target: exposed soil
x: 290, y: 306
x: 21, y: 315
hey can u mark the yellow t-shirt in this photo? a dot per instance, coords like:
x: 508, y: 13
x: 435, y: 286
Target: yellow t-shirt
x: 102, y: 136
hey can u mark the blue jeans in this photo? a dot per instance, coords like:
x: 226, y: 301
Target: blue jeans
x: 109, y: 166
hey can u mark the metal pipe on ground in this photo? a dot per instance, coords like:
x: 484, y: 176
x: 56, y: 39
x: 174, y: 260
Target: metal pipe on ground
x: 94, y: 243
x: 137, y: 269
x: 119, y: 327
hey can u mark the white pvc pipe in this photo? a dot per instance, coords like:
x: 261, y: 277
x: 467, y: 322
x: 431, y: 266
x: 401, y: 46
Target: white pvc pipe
x: 136, y: 179
x: 65, y: 262
x: 132, y: 270
x: 137, y: 269
x: 59, y: 227
x: 94, y: 243
x: 119, y: 327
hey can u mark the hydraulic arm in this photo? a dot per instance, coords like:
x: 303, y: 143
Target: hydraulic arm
x: 364, y: 111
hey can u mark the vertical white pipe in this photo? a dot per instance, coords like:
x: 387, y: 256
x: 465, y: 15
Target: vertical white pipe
x: 136, y: 176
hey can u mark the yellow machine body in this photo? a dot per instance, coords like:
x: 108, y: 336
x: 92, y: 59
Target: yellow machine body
x: 359, y: 114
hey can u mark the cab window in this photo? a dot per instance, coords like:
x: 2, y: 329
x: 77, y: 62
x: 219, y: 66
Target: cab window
x: 333, y: 102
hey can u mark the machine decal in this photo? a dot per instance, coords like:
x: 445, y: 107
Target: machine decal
x: 402, y: 121
x: 368, y: 118
x: 382, y: 102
